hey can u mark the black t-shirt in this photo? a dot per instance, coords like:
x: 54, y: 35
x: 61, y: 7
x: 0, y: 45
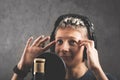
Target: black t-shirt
x: 90, y: 76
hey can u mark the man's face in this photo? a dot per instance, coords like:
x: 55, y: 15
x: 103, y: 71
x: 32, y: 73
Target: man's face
x: 67, y: 45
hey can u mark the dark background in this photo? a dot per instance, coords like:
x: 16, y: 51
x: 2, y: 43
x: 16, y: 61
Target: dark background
x: 20, y: 19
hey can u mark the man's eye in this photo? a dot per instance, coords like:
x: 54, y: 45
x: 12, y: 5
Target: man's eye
x: 72, y: 42
x: 59, y: 42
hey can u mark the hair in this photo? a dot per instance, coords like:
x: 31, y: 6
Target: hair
x: 74, y: 20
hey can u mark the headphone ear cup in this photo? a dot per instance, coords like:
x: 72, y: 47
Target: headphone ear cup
x: 52, y: 37
x: 94, y: 39
x: 84, y: 54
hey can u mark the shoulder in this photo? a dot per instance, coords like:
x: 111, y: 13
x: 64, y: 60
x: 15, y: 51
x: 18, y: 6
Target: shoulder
x: 110, y: 76
x: 90, y: 76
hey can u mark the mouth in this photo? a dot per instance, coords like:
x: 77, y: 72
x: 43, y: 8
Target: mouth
x: 66, y: 58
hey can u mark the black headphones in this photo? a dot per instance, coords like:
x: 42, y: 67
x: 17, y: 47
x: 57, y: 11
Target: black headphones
x: 87, y: 22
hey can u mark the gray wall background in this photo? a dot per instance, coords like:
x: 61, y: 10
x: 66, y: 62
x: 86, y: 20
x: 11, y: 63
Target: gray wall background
x: 20, y: 19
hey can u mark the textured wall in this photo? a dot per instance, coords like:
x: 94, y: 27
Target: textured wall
x: 20, y: 19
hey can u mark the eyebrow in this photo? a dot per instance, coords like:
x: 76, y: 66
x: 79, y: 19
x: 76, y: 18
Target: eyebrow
x: 66, y: 37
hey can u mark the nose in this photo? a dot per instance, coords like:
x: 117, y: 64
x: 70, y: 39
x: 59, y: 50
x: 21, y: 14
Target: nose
x: 65, y: 47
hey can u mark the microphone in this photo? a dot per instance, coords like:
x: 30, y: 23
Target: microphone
x: 39, y: 69
x: 49, y: 66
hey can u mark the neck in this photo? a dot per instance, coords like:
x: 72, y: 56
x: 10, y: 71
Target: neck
x: 76, y: 72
